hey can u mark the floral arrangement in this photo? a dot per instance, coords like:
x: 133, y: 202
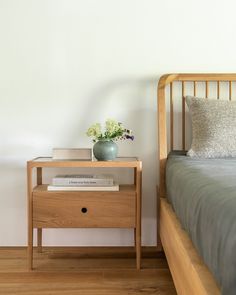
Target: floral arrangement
x: 113, y: 130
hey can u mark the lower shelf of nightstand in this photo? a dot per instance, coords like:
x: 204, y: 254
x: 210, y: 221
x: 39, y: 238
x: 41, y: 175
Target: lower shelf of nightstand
x: 84, y: 209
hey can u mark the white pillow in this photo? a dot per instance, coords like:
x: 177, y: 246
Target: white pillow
x: 213, y: 127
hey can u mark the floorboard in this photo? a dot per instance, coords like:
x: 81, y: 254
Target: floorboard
x: 85, y: 271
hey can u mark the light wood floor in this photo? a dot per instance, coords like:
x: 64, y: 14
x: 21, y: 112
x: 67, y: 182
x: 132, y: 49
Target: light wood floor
x: 85, y: 271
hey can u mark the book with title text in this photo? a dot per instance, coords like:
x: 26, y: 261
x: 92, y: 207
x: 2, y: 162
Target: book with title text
x: 83, y: 180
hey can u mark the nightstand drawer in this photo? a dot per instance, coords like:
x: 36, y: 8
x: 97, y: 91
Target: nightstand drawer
x: 84, y: 209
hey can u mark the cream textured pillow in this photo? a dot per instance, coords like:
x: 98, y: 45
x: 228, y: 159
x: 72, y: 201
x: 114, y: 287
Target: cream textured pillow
x: 213, y: 128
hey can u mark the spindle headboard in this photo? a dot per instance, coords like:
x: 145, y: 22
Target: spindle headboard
x: 202, y: 85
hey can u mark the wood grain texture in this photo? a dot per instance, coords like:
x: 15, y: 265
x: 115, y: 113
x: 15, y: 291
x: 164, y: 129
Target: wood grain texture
x: 103, y: 209
x: 206, y: 89
x: 138, y: 211
x: 39, y: 173
x: 89, y: 271
x: 171, y: 118
x: 194, y: 88
x: 190, y: 274
x: 199, y: 77
x: 87, y: 209
x: 121, y: 162
x: 183, y: 115
x: 218, y: 89
x: 230, y: 90
x: 30, y: 216
x: 162, y: 132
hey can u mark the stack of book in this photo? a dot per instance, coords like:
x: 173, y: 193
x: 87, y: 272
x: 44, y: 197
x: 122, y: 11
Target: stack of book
x: 83, y: 182
x: 80, y: 154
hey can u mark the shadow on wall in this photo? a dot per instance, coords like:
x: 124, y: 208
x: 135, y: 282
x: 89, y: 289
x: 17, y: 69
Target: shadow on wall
x: 133, y: 102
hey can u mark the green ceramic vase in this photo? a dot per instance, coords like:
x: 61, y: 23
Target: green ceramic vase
x: 105, y: 150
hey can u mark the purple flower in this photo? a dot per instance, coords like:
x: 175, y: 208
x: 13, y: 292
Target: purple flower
x: 129, y: 137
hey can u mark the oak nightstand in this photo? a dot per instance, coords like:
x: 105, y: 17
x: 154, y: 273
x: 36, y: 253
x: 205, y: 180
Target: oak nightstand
x: 83, y: 209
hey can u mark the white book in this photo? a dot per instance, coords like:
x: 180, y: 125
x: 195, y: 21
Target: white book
x: 112, y: 188
x: 83, y: 180
x: 83, y: 154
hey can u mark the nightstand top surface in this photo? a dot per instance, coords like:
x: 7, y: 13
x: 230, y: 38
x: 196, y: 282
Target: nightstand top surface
x: 118, y: 162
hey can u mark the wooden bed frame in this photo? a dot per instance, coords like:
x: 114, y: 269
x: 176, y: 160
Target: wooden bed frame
x: 191, y: 276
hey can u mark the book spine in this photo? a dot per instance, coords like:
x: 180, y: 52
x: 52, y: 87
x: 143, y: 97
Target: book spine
x: 81, y: 182
x: 83, y: 188
x: 72, y: 154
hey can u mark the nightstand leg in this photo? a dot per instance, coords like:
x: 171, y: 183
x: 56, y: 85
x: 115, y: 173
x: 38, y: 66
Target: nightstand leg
x: 30, y: 217
x: 138, y: 249
x: 135, y: 237
x: 30, y: 249
x: 39, y: 236
x: 138, y: 215
x: 39, y: 230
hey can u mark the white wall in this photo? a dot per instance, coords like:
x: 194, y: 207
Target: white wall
x: 65, y: 64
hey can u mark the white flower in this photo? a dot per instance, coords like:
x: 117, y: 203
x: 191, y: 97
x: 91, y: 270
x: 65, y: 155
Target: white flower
x: 95, y: 130
x: 113, y: 131
x: 112, y: 126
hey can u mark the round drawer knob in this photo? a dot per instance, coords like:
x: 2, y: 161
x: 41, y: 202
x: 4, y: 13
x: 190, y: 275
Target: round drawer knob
x: 84, y: 210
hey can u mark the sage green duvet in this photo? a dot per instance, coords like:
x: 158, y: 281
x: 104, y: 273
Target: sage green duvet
x: 203, y: 195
